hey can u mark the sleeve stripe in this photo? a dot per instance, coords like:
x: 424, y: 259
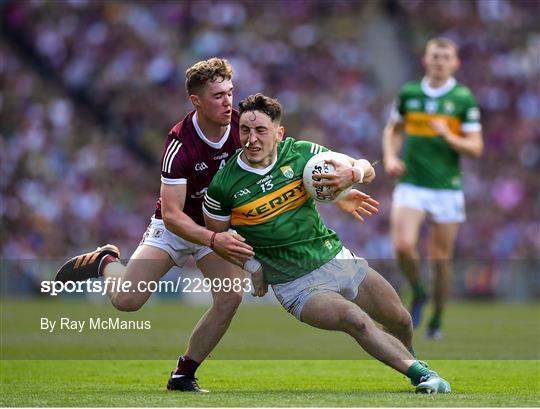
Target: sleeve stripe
x: 471, y: 127
x: 212, y: 206
x: 167, y: 153
x: 171, y: 153
x: 168, y: 181
x: 315, y: 149
x: 215, y: 216
x: 210, y: 200
x: 171, y: 159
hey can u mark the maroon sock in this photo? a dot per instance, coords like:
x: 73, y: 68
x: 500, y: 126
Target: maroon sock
x: 186, y: 366
x: 105, y: 261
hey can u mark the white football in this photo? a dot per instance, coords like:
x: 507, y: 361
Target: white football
x: 318, y: 164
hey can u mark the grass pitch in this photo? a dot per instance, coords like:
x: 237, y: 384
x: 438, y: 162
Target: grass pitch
x: 264, y: 384
x: 489, y: 355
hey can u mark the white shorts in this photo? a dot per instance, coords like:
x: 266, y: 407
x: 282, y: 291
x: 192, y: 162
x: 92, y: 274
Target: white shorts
x: 441, y: 205
x: 343, y: 274
x: 179, y: 249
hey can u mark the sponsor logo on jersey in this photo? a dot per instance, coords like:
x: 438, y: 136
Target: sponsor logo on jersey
x: 201, y: 166
x: 287, y: 171
x: 432, y: 105
x: 270, y: 205
x: 264, y: 179
x: 448, y: 107
x: 412, y: 104
x: 417, y: 124
x: 224, y: 155
x: 199, y: 194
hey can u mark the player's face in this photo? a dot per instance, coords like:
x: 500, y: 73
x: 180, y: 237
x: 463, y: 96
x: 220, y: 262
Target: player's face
x: 215, y: 101
x: 259, y: 137
x: 440, y: 62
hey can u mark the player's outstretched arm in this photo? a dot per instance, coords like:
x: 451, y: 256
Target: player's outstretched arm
x: 358, y: 204
x: 228, y: 245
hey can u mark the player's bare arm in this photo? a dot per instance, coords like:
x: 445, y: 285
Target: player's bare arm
x: 392, y: 142
x: 228, y: 245
x: 470, y: 144
x: 260, y: 288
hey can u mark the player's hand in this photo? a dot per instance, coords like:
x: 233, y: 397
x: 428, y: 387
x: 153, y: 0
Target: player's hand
x: 260, y: 288
x: 440, y: 126
x: 337, y: 181
x: 232, y: 247
x: 395, y: 167
x: 358, y: 203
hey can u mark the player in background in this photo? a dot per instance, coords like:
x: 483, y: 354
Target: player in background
x: 194, y: 150
x: 260, y: 193
x: 440, y: 121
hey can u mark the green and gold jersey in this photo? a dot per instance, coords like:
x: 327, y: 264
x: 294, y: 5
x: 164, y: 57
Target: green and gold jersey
x: 273, y: 211
x: 429, y: 159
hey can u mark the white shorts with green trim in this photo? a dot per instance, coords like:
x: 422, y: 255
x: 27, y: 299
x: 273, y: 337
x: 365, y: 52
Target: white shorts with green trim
x: 343, y: 275
x: 176, y: 247
x: 440, y: 205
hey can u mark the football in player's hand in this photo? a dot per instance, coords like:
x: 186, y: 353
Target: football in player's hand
x: 318, y: 164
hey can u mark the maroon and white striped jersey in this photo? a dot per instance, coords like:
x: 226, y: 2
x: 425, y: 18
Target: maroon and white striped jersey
x: 190, y: 158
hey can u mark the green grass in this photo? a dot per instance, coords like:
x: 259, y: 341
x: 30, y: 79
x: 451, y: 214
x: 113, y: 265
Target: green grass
x: 264, y: 383
x: 490, y: 355
x: 261, y: 331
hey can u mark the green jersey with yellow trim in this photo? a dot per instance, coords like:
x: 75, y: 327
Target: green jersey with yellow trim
x: 430, y: 161
x: 273, y: 211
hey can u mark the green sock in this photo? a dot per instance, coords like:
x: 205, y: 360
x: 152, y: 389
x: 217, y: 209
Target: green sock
x: 435, y: 321
x: 418, y: 290
x: 416, y: 371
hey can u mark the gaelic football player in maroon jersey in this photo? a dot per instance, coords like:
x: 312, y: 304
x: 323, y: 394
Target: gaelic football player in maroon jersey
x: 195, y: 149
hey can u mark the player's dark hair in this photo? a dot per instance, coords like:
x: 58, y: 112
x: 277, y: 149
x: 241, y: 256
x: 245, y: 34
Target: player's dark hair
x: 203, y: 72
x: 262, y: 103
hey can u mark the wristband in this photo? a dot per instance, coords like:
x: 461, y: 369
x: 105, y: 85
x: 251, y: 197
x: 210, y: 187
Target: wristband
x: 212, y: 240
x: 361, y: 171
x: 251, y: 265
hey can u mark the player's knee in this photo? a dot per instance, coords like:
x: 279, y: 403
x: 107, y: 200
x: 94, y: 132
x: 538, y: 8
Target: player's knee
x: 405, y: 247
x: 440, y: 260
x: 404, y: 319
x: 228, y: 302
x: 355, y: 321
x: 125, y: 303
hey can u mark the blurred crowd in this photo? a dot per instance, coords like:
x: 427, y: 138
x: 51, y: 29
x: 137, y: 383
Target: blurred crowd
x: 91, y: 89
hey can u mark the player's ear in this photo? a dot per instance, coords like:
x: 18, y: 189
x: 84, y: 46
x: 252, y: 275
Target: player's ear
x: 280, y: 133
x: 195, y: 101
x: 457, y: 64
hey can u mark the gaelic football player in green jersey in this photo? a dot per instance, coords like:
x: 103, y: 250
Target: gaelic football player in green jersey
x: 440, y: 121
x: 259, y: 193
